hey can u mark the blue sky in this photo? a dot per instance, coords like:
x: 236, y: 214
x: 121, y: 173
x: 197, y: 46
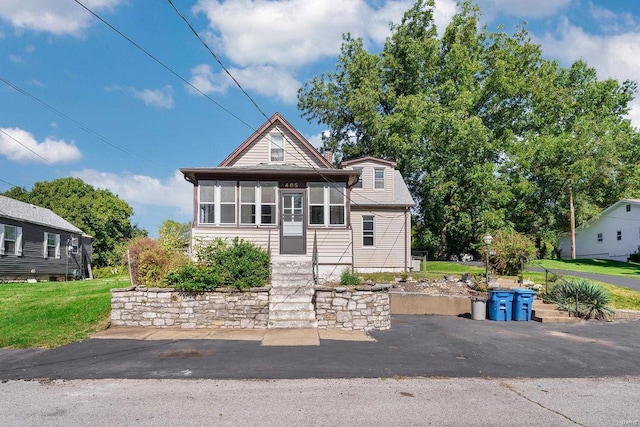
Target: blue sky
x: 120, y: 121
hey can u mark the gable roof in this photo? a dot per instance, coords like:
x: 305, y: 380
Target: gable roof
x: 21, y: 211
x: 276, y: 118
x: 369, y: 159
x: 620, y: 202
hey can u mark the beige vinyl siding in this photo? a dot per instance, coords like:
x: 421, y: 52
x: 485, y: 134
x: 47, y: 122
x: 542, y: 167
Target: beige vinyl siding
x: 390, y: 234
x: 334, y: 245
x: 368, y: 193
x: 259, y: 236
x: 294, y: 151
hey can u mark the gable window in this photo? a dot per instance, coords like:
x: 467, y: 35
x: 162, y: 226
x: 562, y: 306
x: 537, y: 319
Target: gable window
x: 257, y: 203
x: 51, y: 245
x: 207, y: 196
x: 276, y: 148
x: 326, y: 198
x: 378, y: 177
x: 599, y: 237
x: 628, y: 208
x: 618, y: 235
x: 10, y: 240
x: 367, y: 230
x: 360, y: 178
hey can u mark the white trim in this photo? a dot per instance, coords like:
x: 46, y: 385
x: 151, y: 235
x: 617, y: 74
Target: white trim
x: 1, y: 239
x: 19, y: 241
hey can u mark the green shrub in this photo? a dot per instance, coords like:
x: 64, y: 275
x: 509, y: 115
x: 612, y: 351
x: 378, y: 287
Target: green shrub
x: 239, y: 264
x: 108, y: 272
x: 150, y: 262
x: 635, y: 257
x: 593, y: 299
x: 193, y: 278
x: 348, y: 279
x: 510, y: 248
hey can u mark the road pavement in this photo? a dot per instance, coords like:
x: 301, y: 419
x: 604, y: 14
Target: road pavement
x: 627, y: 282
x: 415, y: 346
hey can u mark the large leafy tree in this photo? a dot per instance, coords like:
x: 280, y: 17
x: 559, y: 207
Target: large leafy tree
x: 174, y: 235
x: 486, y: 132
x: 97, y: 212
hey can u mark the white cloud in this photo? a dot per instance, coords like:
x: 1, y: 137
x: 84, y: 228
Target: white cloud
x: 316, y: 140
x: 523, y: 8
x: 265, y: 80
x: 610, y: 21
x: 616, y: 56
x: 20, y: 146
x: 55, y: 17
x: 143, y: 190
x: 159, y: 98
x: 294, y: 32
x: 16, y: 59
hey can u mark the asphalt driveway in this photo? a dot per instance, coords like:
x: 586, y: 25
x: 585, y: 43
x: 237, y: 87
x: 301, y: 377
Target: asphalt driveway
x: 416, y: 346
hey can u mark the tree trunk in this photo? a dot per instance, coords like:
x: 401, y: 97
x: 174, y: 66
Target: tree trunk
x: 572, y: 226
x: 442, y: 248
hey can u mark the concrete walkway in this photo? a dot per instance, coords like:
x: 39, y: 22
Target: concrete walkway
x: 267, y: 337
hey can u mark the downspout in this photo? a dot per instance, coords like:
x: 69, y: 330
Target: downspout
x: 406, y: 232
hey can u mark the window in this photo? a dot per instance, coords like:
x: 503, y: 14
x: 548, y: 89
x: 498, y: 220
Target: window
x: 618, y: 235
x: 325, y: 198
x: 51, y: 245
x: 628, y: 208
x: 268, y: 203
x: 10, y: 240
x: 227, y: 202
x: 207, y: 201
x: 360, y: 179
x: 367, y: 231
x: 74, y: 245
x: 599, y: 237
x: 257, y: 197
x: 379, y: 177
x: 248, y: 202
x: 276, y: 148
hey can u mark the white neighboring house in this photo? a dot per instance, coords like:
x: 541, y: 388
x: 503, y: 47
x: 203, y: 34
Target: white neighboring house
x: 614, y: 235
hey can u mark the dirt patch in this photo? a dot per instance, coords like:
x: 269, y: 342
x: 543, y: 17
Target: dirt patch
x: 436, y: 287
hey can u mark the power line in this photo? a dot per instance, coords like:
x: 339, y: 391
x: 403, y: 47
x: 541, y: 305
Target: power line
x: 11, y: 136
x: 162, y: 64
x: 8, y: 183
x: 77, y: 123
x: 216, y: 58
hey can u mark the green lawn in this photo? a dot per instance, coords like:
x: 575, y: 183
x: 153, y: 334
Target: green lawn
x: 601, y: 266
x: 51, y: 314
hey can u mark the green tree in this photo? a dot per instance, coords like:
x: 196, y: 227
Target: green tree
x: 174, y: 235
x: 486, y: 132
x: 97, y: 212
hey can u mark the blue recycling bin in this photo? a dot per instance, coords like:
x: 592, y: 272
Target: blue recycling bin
x: 500, y: 304
x: 522, y: 304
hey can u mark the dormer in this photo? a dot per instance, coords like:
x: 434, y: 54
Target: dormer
x: 377, y: 179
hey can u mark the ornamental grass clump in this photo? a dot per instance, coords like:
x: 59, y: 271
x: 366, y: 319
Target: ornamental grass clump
x: 592, y: 298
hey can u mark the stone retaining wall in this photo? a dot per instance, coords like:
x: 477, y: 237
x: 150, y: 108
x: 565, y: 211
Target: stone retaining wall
x: 168, y: 308
x: 361, y: 308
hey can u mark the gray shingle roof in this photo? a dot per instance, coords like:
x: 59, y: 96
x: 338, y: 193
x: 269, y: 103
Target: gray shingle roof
x: 20, y: 211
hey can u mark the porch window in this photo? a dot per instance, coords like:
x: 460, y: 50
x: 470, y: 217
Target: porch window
x: 10, y: 240
x: 268, y: 203
x: 276, y: 148
x: 51, y: 245
x: 326, y: 198
x: 257, y: 197
x: 248, y: 202
x: 227, y: 202
x: 367, y: 230
x: 207, y: 191
x: 379, y: 178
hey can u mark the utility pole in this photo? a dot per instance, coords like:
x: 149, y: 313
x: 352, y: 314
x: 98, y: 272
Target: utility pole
x: 572, y: 219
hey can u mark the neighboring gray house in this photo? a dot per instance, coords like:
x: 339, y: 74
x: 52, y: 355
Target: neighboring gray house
x: 35, y: 243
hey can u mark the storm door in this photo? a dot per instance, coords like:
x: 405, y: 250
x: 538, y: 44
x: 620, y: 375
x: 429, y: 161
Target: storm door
x: 292, y: 230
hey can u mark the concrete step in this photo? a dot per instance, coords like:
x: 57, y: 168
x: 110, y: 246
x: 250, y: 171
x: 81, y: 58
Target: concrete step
x: 556, y: 319
x: 293, y: 324
x: 549, y: 313
x: 290, y: 306
x: 296, y: 282
x: 284, y: 298
x: 278, y: 315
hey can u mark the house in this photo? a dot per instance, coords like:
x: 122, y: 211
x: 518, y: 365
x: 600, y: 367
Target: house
x: 278, y: 191
x: 35, y: 243
x: 614, y: 234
